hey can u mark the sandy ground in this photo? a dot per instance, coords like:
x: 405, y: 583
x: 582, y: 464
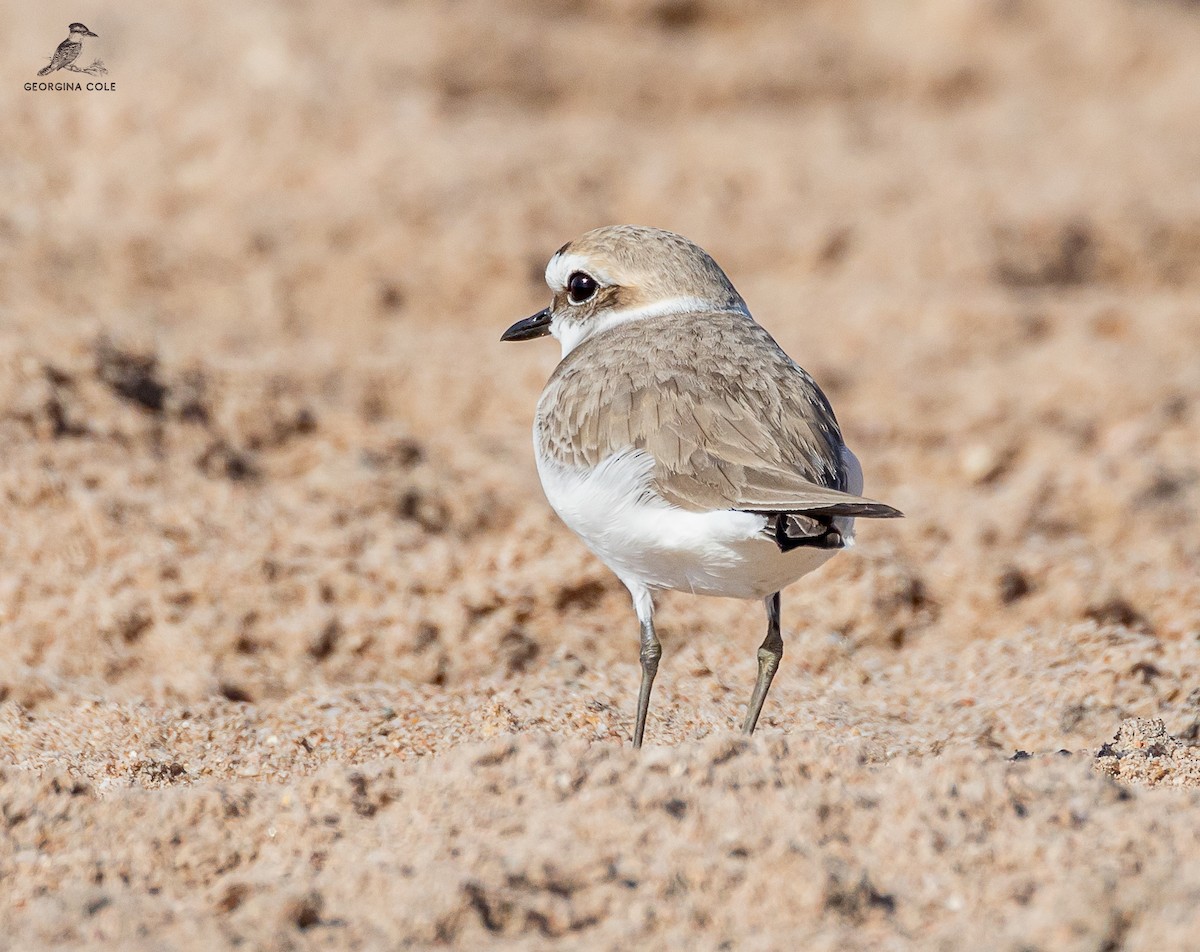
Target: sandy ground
x: 294, y: 654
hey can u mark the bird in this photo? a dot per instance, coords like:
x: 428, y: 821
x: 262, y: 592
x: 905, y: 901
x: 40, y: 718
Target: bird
x: 679, y: 441
x: 68, y: 50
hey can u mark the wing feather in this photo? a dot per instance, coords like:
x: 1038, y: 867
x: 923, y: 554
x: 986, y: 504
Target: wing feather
x: 731, y: 421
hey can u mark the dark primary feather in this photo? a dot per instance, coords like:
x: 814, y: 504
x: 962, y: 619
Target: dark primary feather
x: 791, y: 531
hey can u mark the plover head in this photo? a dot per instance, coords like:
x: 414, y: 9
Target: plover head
x: 621, y: 273
x: 76, y: 29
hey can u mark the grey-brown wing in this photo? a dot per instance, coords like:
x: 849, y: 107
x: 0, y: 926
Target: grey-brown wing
x: 747, y: 446
x: 730, y: 420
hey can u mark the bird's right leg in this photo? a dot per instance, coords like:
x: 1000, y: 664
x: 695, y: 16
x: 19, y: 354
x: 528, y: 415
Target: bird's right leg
x: 643, y: 604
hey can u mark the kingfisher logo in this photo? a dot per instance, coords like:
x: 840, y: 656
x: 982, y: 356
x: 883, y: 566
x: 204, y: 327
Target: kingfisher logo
x: 66, y: 61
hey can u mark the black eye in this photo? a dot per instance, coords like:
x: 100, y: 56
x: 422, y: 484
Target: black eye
x: 580, y: 287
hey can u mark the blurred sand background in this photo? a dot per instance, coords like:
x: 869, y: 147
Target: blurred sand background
x: 293, y: 653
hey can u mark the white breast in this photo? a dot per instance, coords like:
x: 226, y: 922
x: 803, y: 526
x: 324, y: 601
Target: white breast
x: 645, y: 540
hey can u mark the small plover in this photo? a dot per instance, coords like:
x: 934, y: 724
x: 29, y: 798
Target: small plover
x: 679, y: 441
x: 68, y: 50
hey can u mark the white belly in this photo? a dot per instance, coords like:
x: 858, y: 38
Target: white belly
x: 645, y: 540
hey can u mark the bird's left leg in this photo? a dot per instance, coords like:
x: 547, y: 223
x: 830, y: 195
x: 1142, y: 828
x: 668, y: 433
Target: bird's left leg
x: 769, y: 654
x: 651, y: 651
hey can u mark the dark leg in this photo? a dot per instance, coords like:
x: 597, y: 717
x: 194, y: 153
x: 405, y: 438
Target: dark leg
x: 651, y: 652
x: 769, y: 654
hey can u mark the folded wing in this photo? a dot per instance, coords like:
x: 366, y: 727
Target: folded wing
x: 731, y: 421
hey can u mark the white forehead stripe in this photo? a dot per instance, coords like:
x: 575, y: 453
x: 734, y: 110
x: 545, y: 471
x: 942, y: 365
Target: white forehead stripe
x: 562, y: 266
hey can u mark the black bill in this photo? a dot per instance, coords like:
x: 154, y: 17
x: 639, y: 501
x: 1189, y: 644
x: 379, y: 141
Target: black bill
x: 531, y: 327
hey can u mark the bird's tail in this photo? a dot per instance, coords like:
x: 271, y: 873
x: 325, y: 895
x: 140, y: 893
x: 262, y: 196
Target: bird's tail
x: 44, y: 70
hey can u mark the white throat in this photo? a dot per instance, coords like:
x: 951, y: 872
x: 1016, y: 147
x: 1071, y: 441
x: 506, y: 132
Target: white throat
x: 571, y: 333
